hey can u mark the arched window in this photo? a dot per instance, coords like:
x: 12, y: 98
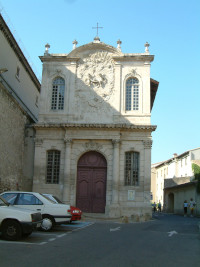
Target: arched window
x: 58, y: 90
x: 132, y: 94
x: 132, y: 168
x: 53, y: 167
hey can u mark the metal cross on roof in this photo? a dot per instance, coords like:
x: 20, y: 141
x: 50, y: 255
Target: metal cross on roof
x: 97, y: 28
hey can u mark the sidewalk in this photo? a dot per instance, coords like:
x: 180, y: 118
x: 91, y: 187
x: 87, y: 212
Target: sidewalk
x: 98, y: 217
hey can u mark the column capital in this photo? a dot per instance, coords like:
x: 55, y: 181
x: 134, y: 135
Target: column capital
x: 68, y: 141
x: 116, y: 142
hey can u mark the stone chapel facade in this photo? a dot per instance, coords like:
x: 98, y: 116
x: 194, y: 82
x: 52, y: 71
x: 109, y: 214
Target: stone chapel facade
x: 93, y: 137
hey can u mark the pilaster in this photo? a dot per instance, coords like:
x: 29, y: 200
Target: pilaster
x: 147, y: 167
x: 66, y: 182
x: 114, y: 210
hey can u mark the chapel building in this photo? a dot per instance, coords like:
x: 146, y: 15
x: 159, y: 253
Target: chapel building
x: 93, y: 137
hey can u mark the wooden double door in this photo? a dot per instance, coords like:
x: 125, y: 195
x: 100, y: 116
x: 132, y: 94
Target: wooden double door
x: 91, y: 183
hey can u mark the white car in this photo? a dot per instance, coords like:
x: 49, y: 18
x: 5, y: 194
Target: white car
x: 75, y: 212
x: 16, y: 222
x: 52, y: 213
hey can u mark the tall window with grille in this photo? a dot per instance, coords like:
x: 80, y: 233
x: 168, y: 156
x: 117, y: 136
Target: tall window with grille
x: 132, y: 94
x: 132, y: 168
x: 53, y: 167
x: 58, y: 91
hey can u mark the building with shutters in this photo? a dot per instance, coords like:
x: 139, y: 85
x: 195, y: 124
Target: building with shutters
x: 93, y: 137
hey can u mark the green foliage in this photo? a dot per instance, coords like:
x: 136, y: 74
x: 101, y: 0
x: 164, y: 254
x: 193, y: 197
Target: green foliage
x: 196, y: 170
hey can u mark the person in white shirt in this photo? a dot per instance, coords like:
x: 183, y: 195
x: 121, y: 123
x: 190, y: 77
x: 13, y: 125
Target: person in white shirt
x: 192, y: 205
x: 185, y: 206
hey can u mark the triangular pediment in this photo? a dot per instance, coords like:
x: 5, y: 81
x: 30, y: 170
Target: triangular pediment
x: 92, y: 48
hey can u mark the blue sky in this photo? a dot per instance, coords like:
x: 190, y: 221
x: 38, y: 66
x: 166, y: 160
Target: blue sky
x: 171, y: 27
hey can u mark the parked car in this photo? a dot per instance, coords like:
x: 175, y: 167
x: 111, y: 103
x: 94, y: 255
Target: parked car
x: 75, y: 212
x: 16, y: 222
x: 52, y: 213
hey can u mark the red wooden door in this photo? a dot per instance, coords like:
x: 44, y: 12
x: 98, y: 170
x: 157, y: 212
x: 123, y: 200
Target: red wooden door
x: 91, y: 183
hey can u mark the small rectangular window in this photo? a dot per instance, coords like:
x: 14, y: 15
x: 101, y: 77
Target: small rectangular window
x: 17, y: 75
x: 53, y: 167
x: 36, y: 101
x: 132, y: 94
x: 132, y: 168
x: 58, y: 91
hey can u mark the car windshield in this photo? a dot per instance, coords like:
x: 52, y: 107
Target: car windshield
x: 3, y: 202
x: 10, y: 197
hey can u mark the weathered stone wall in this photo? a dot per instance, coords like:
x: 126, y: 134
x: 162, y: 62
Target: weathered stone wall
x: 12, y: 127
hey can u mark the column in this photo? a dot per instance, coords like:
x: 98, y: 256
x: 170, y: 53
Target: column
x: 66, y: 182
x: 38, y: 164
x: 147, y: 169
x: 115, y: 182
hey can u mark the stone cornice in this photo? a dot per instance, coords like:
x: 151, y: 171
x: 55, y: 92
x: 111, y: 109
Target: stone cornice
x: 96, y: 126
x: 137, y: 57
x: 58, y: 58
x: 124, y: 57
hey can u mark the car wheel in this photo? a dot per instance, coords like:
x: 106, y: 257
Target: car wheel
x: 47, y: 223
x: 11, y: 230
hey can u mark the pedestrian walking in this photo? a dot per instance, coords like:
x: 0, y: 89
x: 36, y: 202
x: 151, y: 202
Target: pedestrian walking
x: 192, y: 205
x: 185, y: 206
x: 159, y: 206
x: 154, y: 207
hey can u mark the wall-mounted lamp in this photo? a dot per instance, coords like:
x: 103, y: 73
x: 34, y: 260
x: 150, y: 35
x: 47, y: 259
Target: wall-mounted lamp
x: 3, y: 70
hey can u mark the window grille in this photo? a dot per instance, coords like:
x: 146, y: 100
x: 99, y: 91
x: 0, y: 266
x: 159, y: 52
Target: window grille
x: 53, y: 167
x: 132, y: 168
x: 58, y: 90
x: 132, y: 94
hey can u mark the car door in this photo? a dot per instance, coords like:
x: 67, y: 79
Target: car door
x: 29, y: 201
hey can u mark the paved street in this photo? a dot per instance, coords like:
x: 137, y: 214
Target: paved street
x: 42, y: 238
x: 167, y: 240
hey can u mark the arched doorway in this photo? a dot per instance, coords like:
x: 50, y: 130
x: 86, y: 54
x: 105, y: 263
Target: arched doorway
x: 171, y: 202
x: 91, y: 182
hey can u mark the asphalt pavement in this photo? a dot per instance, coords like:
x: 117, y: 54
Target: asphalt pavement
x: 166, y: 240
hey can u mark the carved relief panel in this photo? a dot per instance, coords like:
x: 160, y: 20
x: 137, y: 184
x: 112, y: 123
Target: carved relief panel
x: 95, y: 81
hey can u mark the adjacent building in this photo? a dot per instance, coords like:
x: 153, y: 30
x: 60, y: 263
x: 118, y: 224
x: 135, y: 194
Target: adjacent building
x: 173, y: 181
x: 93, y: 137
x: 19, y: 94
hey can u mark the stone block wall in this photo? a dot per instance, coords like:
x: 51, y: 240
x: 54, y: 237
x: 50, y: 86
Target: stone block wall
x: 12, y: 129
